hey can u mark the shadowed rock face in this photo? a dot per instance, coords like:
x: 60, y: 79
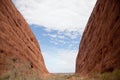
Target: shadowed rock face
x: 100, y: 45
x: 19, y: 48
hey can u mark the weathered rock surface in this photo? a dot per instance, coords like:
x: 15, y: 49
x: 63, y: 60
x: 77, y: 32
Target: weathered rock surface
x: 19, y: 49
x: 100, y: 45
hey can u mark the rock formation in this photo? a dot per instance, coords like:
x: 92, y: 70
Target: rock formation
x: 100, y: 45
x: 19, y: 49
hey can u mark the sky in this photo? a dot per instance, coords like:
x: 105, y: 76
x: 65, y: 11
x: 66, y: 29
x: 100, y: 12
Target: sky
x: 58, y: 26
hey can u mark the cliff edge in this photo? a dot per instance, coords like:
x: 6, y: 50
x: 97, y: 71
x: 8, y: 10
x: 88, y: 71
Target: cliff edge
x: 99, y: 49
x: 19, y: 49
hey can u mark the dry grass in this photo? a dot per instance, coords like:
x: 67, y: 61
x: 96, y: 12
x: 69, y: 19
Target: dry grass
x: 20, y: 72
x: 16, y: 75
x: 115, y: 75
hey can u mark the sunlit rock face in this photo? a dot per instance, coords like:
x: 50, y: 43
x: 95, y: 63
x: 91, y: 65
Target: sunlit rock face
x: 100, y: 45
x: 19, y: 49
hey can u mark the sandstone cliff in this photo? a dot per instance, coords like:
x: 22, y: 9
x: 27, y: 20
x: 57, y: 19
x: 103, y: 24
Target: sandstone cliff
x: 100, y: 45
x: 19, y: 49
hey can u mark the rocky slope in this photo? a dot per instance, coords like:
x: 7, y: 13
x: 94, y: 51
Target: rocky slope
x: 99, y: 49
x: 19, y: 49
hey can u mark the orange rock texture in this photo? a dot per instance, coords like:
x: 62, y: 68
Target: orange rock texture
x: 99, y: 49
x: 19, y: 48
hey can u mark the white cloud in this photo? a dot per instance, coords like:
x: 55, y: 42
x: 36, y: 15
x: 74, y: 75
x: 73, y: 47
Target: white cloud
x: 52, y: 35
x: 63, y: 35
x: 63, y: 38
x: 61, y: 15
x: 72, y: 34
x: 62, y: 61
x: 57, y: 41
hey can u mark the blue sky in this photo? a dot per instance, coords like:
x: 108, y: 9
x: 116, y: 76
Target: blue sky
x: 58, y: 26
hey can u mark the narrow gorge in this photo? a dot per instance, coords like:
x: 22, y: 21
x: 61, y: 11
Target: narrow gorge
x: 99, y: 49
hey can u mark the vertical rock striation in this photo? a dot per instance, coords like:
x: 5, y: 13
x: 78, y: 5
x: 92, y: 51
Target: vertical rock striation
x: 19, y: 49
x: 100, y: 45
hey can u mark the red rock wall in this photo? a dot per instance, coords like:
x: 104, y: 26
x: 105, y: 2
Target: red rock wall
x: 100, y: 45
x: 19, y: 48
